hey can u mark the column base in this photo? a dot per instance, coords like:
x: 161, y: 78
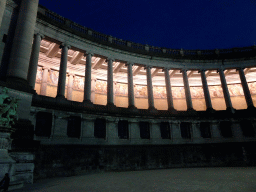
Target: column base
x: 111, y: 106
x: 61, y: 97
x: 132, y: 107
x: 87, y: 103
x: 231, y: 110
x: 172, y: 110
x: 210, y: 110
x: 191, y: 110
x: 251, y: 108
x: 152, y: 109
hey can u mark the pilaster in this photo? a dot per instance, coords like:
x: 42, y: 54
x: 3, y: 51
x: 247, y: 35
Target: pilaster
x: 44, y: 81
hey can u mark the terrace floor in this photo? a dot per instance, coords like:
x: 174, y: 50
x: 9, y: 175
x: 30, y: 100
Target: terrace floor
x: 181, y: 180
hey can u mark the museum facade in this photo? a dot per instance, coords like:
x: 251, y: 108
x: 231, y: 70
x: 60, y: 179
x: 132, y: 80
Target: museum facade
x: 95, y: 102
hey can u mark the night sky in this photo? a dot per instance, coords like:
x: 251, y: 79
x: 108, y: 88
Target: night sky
x: 187, y: 24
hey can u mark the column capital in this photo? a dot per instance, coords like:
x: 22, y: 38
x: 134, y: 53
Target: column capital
x: 221, y: 69
x: 88, y: 53
x: 239, y: 68
x: 148, y: 67
x: 65, y: 45
x: 202, y: 70
x: 48, y: 68
x: 40, y: 34
x: 110, y: 59
x: 183, y: 70
x: 71, y: 74
x: 129, y: 63
x: 165, y: 68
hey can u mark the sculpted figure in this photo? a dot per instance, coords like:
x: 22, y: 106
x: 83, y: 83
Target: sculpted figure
x: 8, y: 107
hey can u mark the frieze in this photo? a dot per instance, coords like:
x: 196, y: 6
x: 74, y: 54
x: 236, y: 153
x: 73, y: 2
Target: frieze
x: 101, y: 87
x: 78, y: 83
x: 54, y: 76
x: 140, y: 91
x: 39, y: 75
x: 121, y: 89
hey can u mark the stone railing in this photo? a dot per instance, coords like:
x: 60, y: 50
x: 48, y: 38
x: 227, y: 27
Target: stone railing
x: 90, y: 34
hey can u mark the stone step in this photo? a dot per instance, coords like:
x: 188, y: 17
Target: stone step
x: 18, y: 184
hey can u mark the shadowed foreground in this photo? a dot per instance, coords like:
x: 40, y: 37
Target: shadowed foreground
x: 186, y: 179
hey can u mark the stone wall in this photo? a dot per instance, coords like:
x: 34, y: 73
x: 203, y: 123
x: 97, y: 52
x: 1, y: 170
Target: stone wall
x: 74, y: 159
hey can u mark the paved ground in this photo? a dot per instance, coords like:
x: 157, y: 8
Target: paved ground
x: 184, y: 180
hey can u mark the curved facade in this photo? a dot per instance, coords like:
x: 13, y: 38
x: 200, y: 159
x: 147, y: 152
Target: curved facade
x: 118, y: 105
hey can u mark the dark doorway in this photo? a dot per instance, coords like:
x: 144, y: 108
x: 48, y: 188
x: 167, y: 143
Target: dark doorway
x: 74, y: 127
x: 225, y: 129
x: 43, y: 124
x: 144, y: 130
x: 165, y: 130
x: 205, y: 129
x: 185, y: 128
x: 100, y: 128
x: 123, y: 129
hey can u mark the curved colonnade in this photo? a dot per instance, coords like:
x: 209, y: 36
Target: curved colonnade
x: 150, y: 74
x: 90, y: 89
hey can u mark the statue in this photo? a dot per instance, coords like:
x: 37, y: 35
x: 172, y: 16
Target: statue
x: 8, y: 107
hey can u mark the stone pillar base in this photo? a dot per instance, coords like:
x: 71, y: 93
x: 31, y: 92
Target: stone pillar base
x: 152, y: 109
x: 111, y: 106
x: 230, y: 110
x: 210, y: 110
x: 172, y: 110
x: 19, y: 84
x: 60, y: 97
x: 191, y: 110
x: 87, y: 103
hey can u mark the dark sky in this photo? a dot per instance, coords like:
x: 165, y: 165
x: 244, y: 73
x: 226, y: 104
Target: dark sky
x: 187, y: 24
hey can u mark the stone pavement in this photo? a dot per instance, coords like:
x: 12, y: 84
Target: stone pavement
x: 181, y: 180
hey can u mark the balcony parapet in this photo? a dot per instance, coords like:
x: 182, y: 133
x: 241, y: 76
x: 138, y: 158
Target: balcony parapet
x: 79, y: 107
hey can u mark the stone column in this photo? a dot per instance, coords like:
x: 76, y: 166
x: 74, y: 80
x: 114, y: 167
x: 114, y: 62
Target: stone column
x: 225, y: 90
x: 32, y: 70
x: 187, y: 90
x: 70, y: 86
x: 44, y: 81
x: 22, y: 42
x: 246, y: 89
x: 206, y: 91
x: 130, y: 86
x: 168, y: 90
x: 110, y: 98
x: 150, y: 89
x: 88, y: 78
x: 63, y: 71
x: 2, y: 8
x: 93, y: 84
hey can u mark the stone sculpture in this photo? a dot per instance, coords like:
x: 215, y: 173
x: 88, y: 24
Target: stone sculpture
x: 8, y: 107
